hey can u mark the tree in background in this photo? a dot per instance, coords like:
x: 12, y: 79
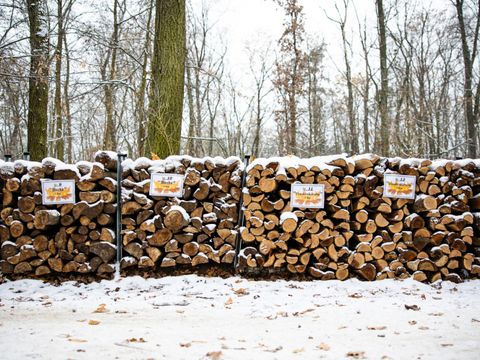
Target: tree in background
x: 469, y: 52
x: 383, y: 143
x: 38, y: 83
x: 168, y: 67
x: 290, y: 76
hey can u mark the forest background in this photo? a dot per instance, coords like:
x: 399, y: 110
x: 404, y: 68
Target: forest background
x: 264, y: 77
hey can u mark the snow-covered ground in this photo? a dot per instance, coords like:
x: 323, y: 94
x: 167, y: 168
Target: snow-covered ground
x: 191, y: 317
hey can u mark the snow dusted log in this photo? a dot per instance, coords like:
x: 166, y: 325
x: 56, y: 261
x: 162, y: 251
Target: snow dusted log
x: 39, y: 240
x: 44, y: 218
x: 198, y: 228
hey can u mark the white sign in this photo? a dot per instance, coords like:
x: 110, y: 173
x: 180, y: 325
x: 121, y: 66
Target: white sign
x: 307, y: 196
x: 166, y: 185
x: 399, y: 186
x: 56, y: 192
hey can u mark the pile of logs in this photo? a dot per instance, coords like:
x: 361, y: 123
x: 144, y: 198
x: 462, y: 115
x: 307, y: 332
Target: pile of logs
x: 168, y: 232
x: 359, y: 231
x: 57, y: 239
x: 430, y: 238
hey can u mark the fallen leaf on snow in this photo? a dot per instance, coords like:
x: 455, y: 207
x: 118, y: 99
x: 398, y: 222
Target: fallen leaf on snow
x: 74, y: 340
x: 412, y: 307
x: 412, y: 322
x: 215, y: 355
x: 140, y: 340
x: 240, y: 292
x: 376, y: 327
x: 323, y: 346
x: 356, y: 354
x: 186, y: 345
x: 101, y: 308
x: 229, y: 301
x: 355, y: 295
x: 93, y: 322
x: 296, y: 351
x: 445, y: 345
x: 298, y: 313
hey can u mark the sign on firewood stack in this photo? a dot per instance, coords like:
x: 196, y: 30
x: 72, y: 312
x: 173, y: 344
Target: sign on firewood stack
x: 166, y: 185
x: 307, y: 196
x: 399, y: 186
x: 55, y: 192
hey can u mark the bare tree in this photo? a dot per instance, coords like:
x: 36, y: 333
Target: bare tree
x: 290, y: 75
x: 469, y: 53
x: 39, y: 72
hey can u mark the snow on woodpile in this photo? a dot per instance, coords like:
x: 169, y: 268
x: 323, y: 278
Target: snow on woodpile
x: 361, y: 231
x: 62, y: 238
x: 194, y: 227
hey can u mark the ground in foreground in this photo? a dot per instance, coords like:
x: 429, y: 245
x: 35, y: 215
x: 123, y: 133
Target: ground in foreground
x: 191, y: 317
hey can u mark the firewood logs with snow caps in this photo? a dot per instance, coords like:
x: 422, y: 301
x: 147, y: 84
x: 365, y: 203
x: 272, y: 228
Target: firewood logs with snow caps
x: 57, y: 239
x: 432, y: 237
x: 360, y: 232
x: 278, y: 237
x: 198, y: 228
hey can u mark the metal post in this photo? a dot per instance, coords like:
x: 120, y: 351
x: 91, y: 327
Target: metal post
x: 118, y: 232
x: 241, y: 219
x: 7, y: 157
x: 26, y: 156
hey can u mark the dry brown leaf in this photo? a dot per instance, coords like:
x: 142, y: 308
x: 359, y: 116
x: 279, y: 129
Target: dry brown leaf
x: 186, y: 345
x: 93, y: 322
x: 101, y: 308
x: 155, y: 156
x: 412, y: 322
x: 240, y: 292
x: 229, y: 301
x: 140, y: 340
x: 323, y: 346
x: 356, y: 354
x: 214, y: 355
x: 412, y: 307
x: 77, y: 340
x: 376, y: 327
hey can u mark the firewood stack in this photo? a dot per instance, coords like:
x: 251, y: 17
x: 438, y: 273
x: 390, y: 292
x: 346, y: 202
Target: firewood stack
x: 169, y: 232
x: 360, y: 232
x: 277, y: 237
x: 57, y: 239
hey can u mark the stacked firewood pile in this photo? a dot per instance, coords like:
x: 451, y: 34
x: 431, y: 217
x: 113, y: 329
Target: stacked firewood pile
x: 359, y: 231
x: 168, y: 232
x: 58, y: 239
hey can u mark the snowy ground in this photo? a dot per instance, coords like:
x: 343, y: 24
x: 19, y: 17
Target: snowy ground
x: 190, y: 317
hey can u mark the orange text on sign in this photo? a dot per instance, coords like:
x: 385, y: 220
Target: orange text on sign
x: 58, y: 194
x: 396, y: 188
x: 166, y: 187
x: 308, y: 199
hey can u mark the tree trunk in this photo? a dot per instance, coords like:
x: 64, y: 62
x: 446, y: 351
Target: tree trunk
x: 142, y: 91
x: 468, y: 74
x: 59, y: 136
x: 109, y: 140
x: 383, y: 96
x: 168, y: 66
x: 38, y: 83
